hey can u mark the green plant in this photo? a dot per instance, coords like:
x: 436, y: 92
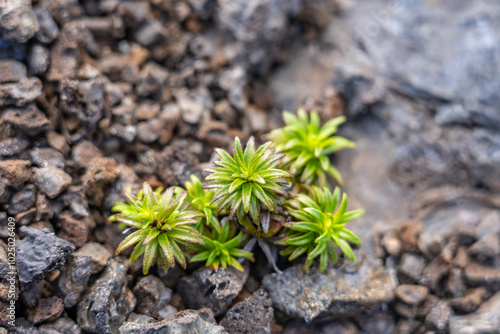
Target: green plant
x: 246, y: 180
x: 162, y: 224
x: 201, y: 200
x: 222, y: 248
x: 319, y: 226
x: 307, y: 145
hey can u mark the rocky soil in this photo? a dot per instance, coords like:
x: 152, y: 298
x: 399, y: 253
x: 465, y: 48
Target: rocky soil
x: 99, y: 96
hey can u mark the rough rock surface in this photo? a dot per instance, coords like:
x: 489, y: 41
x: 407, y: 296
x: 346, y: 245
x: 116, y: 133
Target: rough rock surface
x: 188, y: 321
x: 485, y: 320
x: 212, y: 289
x: 106, y: 306
x: 39, y: 253
x: 73, y: 279
x: 253, y: 315
x: 152, y: 296
x: 97, y: 253
x: 338, y: 291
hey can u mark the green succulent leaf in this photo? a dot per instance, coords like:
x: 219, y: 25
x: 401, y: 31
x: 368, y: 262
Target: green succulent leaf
x: 163, y: 223
x: 222, y: 248
x: 307, y: 146
x: 319, y: 225
x: 247, y: 179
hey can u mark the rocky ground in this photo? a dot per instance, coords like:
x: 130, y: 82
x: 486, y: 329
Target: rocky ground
x: 99, y: 96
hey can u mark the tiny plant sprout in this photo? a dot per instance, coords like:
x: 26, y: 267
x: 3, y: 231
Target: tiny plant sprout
x: 163, y: 226
x: 319, y: 225
x: 307, y: 146
x: 247, y: 179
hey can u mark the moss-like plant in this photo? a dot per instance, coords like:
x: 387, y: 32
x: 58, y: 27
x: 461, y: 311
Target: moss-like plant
x: 249, y: 185
x: 319, y: 225
x: 163, y: 227
x: 246, y: 180
x: 222, y: 248
x: 307, y: 146
x: 201, y: 200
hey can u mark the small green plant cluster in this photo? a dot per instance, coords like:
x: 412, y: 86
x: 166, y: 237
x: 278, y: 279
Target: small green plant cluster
x: 274, y: 194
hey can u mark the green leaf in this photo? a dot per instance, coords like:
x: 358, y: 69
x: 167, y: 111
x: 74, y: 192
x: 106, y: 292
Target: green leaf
x: 166, y: 248
x: 200, y: 257
x: 177, y: 253
x: 236, y: 184
x: 153, y: 233
x: 129, y: 241
x: 246, y: 196
x: 149, y: 256
x: 345, y: 247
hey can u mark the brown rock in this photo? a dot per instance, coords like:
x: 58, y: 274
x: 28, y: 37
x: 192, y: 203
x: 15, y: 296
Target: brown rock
x: 412, y: 294
x: 434, y: 274
x: 11, y: 71
x: 409, y: 234
x: 73, y: 230
x: 58, y: 142
x: 476, y: 274
x: 471, y: 301
x: 175, y: 163
x: 391, y: 244
x: 100, y: 172
x: 98, y: 254
x: 461, y: 259
x: 48, y: 309
x: 16, y: 172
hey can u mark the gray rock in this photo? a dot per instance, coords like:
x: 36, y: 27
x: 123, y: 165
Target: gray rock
x: 253, y: 315
x: 22, y: 200
x: 439, y: 316
x: 28, y: 119
x: 52, y: 180
x: 98, y: 254
x: 486, y: 249
x: 149, y: 131
x: 140, y: 318
x: 434, y: 274
x: 44, y: 157
x: 193, y: 103
x: 11, y: 71
x: 20, y: 93
x: 485, y: 320
x: 48, y: 30
x: 151, y: 296
x: 62, y: 325
x: 106, y: 306
x: 31, y: 297
x: 73, y: 280
x: 213, y: 289
x: 412, y: 266
x: 39, y: 253
x: 188, y: 321
x: 17, y: 21
x: 340, y: 290
x: 38, y: 59
x: 150, y: 33
x: 12, y: 146
x: 412, y: 294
